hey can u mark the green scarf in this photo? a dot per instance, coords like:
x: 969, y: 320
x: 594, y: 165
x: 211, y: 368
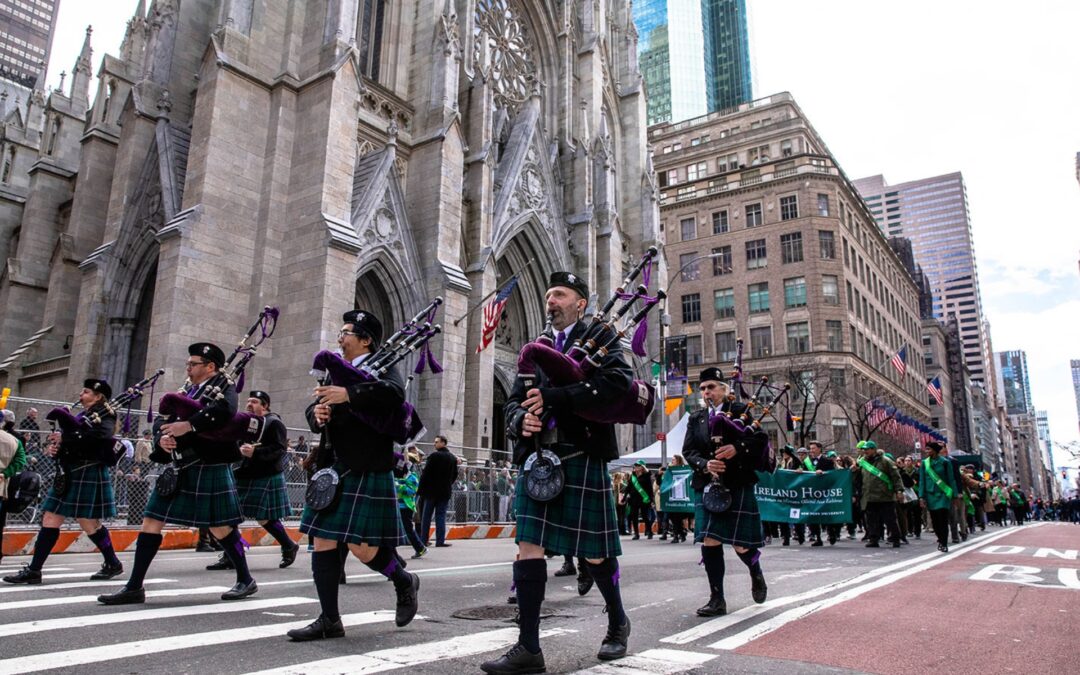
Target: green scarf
x: 948, y: 491
x: 640, y: 490
x: 808, y: 464
x: 970, y: 506
x: 878, y: 473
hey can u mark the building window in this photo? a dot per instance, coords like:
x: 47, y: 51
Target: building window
x: 805, y: 386
x: 795, y: 292
x: 826, y: 244
x: 834, y: 336
x: 9, y: 162
x: 688, y: 228
x: 693, y: 350
x: 689, y: 266
x: 725, y: 346
x: 760, y: 342
x: 850, y: 301
x: 729, y: 163
x: 755, y: 254
x: 759, y: 297
x: 672, y: 176
x: 696, y: 171
x: 837, y: 378
x: 798, y: 337
x: 786, y: 148
x: 789, y: 207
x: 721, y: 262
x: 691, y: 308
x: 823, y: 205
x: 369, y: 40
x: 840, y: 437
x: 719, y: 222
x: 830, y: 289
x: 724, y: 301
x: 791, y: 248
x: 753, y: 215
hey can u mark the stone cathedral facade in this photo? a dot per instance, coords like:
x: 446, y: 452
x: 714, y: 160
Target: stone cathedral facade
x: 317, y: 156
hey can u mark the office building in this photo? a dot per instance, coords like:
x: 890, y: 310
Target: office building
x: 26, y: 35
x: 1015, y: 383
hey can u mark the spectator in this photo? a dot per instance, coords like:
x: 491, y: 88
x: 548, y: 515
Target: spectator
x: 617, y: 484
x: 406, y: 481
x: 436, y: 487
x: 12, y: 461
x: 639, y: 490
x: 31, y: 437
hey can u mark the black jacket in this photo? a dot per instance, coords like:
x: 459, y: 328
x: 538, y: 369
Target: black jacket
x: 89, y: 443
x: 355, y: 443
x: 699, y: 448
x: 269, y: 456
x: 633, y: 497
x: 215, y: 415
x: 596, y: 439
x: 823, y: 463
x: 437, y: 478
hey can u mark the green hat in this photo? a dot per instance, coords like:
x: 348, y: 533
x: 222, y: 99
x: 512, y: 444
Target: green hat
x: 640, y: 462
x: 831, y: 453
x: 889, y: 455
x: 866, y: 445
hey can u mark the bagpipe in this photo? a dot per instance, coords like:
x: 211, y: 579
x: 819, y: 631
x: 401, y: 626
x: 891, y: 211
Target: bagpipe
x: 179, y: 406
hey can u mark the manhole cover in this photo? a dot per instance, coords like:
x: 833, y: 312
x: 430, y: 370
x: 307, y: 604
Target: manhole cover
x: 495, y: 612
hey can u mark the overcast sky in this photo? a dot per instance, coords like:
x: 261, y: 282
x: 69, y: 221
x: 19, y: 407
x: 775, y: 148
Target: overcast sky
x: 910, y: 90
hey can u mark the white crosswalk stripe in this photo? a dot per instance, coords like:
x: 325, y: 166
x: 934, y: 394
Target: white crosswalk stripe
x: 4, y: 590
x: 652, y: 662
x: 83, y: 599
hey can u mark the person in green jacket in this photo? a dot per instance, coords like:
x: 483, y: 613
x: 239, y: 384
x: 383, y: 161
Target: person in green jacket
x: 406, y: 481
x: 937, y: 489
x: 12, y: 461
x: 882, y: 488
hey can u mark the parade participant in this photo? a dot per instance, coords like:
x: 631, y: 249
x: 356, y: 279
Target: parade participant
x: 205, y: 493
x: 86, y: 493
x: 12, y: 461
x: 957, y: 515
x: 580, y: 521
x: 365, y: 514
x: 639, y: 495
x: 260, y: 480
x: 937, y: 489
x: 821, y: 464
x: 882, y: 488
x: 740, y: 525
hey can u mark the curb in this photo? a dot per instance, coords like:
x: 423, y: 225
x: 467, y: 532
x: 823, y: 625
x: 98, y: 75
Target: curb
x: 77, y: 541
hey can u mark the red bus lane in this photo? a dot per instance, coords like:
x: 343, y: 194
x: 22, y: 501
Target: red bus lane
x: 1011, y: 605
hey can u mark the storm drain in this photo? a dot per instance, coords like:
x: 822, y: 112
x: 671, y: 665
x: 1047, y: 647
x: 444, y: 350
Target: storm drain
x: 495, y: 613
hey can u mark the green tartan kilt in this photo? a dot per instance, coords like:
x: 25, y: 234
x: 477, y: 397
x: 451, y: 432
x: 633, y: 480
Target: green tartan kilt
x: 205, y: 497
x: 366, y: 512
x: 580, y: 521
x: 263, y: 498
x: 740, y: 525
x: 89, y: 494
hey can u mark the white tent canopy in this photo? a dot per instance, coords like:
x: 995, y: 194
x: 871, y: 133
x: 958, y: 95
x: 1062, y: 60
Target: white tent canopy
x: 651, y: 454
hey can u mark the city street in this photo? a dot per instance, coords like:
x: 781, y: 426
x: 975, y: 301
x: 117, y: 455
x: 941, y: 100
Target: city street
x: 1004, y: 601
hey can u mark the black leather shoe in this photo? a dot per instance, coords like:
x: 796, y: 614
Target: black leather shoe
x: 107, y: 572
x: 615, y: 642
x: 817, y: 542
x: 786, y: 542
x: 318, y: 629
x: 407, y: 602
x: 873, y: 544
x: 567, y: 570
x: 636, y: 537
x: 223, y: 563
x: 758, y: 588
x: 288, y: 556
x: 24, y: 576
x: 124, y: 596
x: 896, y: 544
x: 444, y: 545
x: 715, y: 607
x: 517, y: 660
x: 240, y: 590
x: 584, y: 583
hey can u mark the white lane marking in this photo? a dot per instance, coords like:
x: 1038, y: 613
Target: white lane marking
x: 721, y: 623
x: 77, y: 584
x: 803, y: 573
x: 9, y: 570
x: 156, y: 646
x: 376, y: 575
x: 412, y: 655
x: 652, y: 662
x: 769, y: 625
x: 78, y: 599
x: 102, y: 619
x: 1068, y: 577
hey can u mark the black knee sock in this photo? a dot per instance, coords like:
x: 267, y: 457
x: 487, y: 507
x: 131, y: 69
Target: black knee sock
x: 713, y: 557
x: 386, y: 563
x: 146, y: 547
x: 530, y: 578
x: 103, y: 541
x: 277, y: 531
x: 233, y: 546
x: 46, y: 539
x: 325, y: 570
x: 752, y: 559
x: 606, y: 576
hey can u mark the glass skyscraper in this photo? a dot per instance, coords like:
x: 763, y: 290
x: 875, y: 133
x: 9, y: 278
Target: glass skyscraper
x: 694, y: 55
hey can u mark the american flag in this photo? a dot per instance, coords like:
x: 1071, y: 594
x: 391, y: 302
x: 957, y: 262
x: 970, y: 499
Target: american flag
x: 493, y: 312
x: 934, y: 387
x: 899, y: 361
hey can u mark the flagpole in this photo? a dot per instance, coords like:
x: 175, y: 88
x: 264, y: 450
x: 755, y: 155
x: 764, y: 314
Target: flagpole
x: 480, y: 302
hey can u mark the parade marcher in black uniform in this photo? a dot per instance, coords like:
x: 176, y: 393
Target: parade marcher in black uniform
x: 740, y: 525
x: 260, y: 480
x: 205, y: 493
x: 580, y: 521
x: 822, y: 463
x: 83, y: 455
x: 365, y: 516
x: 639, y: 495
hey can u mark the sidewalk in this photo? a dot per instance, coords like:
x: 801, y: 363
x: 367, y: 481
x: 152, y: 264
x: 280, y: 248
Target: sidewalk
x: 21, y: 542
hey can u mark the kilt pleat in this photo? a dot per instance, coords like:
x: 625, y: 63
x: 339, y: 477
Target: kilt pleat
x: 740, y: 525
x: 580, y: 521
x: 89, y: 494
x: 365, y: 513
x: 205, y: 497
x: 263, y: 498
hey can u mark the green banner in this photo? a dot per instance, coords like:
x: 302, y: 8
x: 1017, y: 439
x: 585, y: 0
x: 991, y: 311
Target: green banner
x: 676, y: 493
x: 792, y: 497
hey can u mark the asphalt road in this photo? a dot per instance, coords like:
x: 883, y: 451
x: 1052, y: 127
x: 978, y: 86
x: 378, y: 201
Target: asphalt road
x: 184, y: 627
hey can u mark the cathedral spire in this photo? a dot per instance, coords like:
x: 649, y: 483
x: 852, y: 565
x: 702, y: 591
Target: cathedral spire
x: 131, y: 49
x: 81, y: 74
